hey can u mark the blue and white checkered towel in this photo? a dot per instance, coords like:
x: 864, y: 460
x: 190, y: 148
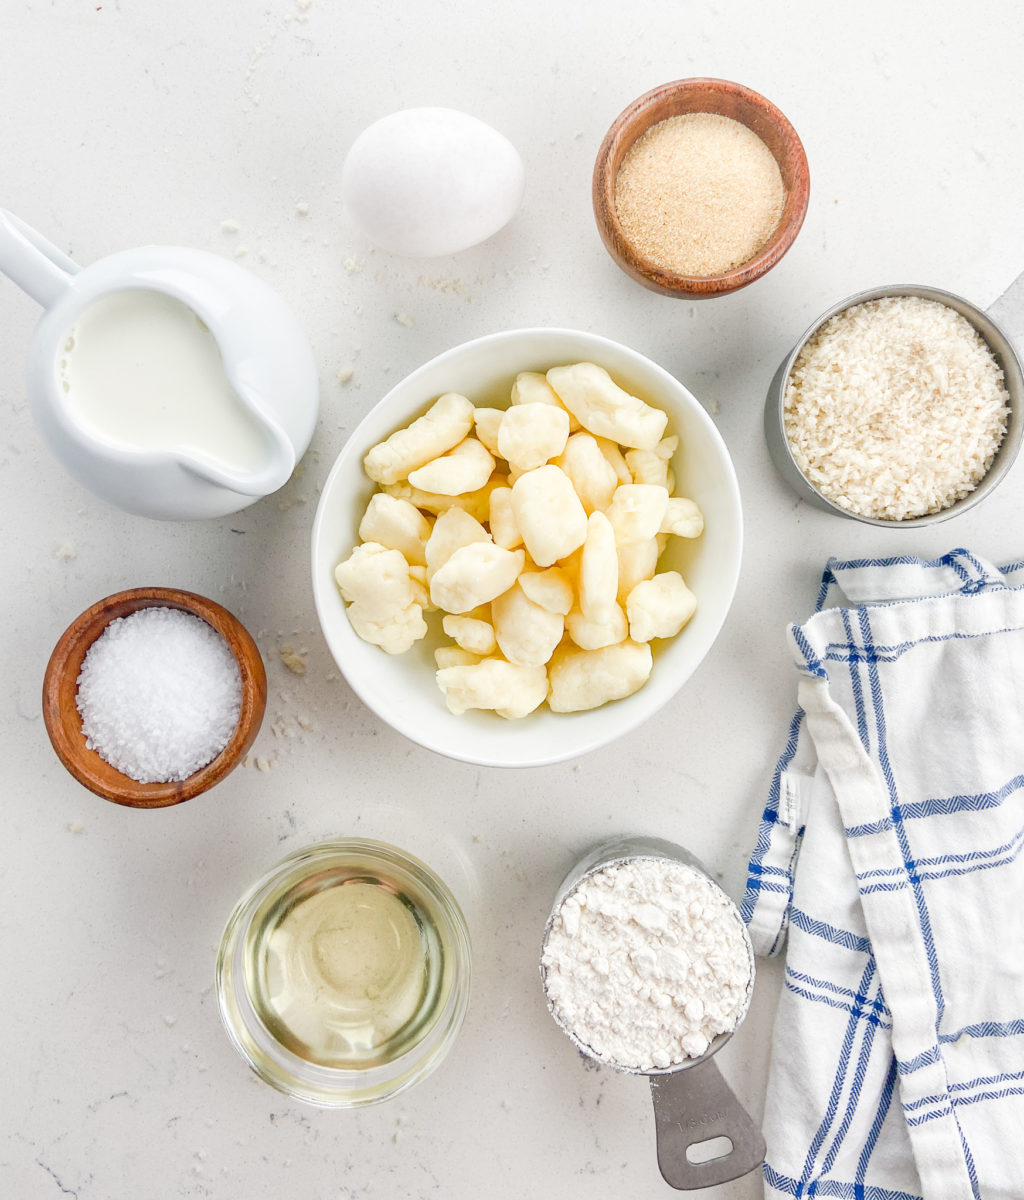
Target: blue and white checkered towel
x: 889, y: 865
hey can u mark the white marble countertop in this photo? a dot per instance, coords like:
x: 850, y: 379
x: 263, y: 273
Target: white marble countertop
x: 129, y: 122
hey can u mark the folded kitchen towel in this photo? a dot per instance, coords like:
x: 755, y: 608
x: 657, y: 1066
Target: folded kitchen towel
x: 888, y: 868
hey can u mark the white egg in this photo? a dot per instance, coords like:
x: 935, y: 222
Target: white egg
x: 431, y: 181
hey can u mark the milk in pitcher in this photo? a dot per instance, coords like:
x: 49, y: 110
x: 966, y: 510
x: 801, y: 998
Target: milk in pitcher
x: 141, y: 370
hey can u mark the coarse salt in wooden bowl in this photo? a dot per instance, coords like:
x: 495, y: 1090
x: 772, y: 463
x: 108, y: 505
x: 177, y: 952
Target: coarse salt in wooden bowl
x: 64, y: 723
x: 714, y: 96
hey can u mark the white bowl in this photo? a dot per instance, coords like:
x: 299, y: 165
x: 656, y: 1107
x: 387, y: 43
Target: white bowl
x: 401, y: 689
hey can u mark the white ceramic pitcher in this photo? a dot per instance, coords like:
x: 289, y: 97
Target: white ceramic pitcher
x: 266, y: 358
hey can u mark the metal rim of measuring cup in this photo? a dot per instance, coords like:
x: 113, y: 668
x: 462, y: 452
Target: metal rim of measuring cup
x: 997, y: 341
x: 693, y: 1104
x: 610, y: 853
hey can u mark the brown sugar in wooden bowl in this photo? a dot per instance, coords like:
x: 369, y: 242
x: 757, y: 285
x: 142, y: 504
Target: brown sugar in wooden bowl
x: 715, y: 96
x: 64, y: 723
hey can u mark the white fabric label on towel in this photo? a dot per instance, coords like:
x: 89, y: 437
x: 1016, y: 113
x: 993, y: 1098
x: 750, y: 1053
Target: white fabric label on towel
x: 791, y: 804
x: 898, y: 1058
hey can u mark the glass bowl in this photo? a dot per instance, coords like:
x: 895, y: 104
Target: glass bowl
x: 344, y: 973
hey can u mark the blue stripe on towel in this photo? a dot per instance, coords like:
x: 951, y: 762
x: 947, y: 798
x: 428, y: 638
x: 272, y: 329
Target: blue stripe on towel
x: 854, y: 1026
x: 924, y: 917
x: 985, y: 1029
x: 780, y: 889
x: 996, y: 1087
x: 885, y: 767
x: 817, y: 998
x: 954, y: 559
x: 926, y: 1058
x: 858, y: 692
x: 826, y: 985
x: 769, y: 872
x: 982, y: 1030
x: 769, y: 820
x: 895, y: 560
x: 850, y: 652
x: 834, y: 1188
x: 814, y: 664
x: 884, y: 1104
x: 828, y: 581
x: 852, y: 1099
x: 822, y: 929
x: 883, y: 825
x: 817, y: 994
x: 943, y: 866
x: 943, y: 806
x: 980, y: 577
x: 972, y: 864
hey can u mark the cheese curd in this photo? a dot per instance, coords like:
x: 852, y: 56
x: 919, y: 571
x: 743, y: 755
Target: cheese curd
x: 659, y: 607
x: 549, y: 514
x: 584, y: 679
x: 510, y: 690
x: 452, y: 530
x: 590, y: 473
x: 475, y: 575
x: 398, y: 525
x: 382, y: 599
x: 440, y: 429
x: 532, y: 434
x: 606, y: 409
x: 535, y: 531
x: 526, y: 633
x: 466, y: 468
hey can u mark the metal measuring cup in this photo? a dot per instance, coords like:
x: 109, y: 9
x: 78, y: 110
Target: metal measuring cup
x: 988, y: 326
x: 693, y: 1104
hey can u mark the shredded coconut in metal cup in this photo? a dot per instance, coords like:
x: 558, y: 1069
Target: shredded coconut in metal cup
x: 899, y: 406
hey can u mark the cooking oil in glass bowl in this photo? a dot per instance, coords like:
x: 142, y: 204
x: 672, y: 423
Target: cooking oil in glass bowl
x: 343, y: 975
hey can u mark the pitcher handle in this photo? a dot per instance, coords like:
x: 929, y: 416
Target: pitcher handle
x: 33, y: 263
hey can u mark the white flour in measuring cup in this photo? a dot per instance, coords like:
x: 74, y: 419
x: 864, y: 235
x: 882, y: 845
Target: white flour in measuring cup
x: 646, y: 961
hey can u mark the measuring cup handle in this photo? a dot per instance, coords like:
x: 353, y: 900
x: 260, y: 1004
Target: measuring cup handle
x: 696, y: 1106
x: 33, y: 263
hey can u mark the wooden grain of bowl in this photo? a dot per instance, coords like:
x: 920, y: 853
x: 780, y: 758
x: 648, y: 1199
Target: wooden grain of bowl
x: 64, y: 724
x: 707, y: 96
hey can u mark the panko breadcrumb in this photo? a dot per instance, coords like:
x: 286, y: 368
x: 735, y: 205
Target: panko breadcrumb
x: 895, y: 408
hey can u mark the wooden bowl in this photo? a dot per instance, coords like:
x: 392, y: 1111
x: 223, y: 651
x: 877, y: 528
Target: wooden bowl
x: 708, y: 96
x: 64, y: 724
